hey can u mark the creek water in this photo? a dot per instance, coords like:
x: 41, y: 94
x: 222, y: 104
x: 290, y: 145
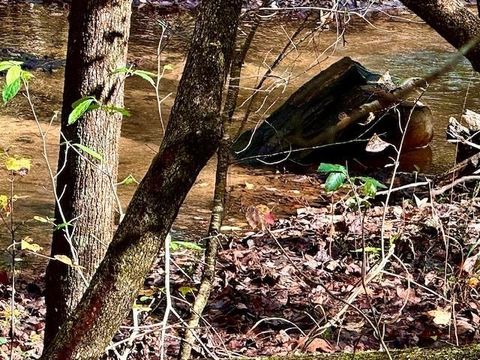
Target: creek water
x: 404, y: 46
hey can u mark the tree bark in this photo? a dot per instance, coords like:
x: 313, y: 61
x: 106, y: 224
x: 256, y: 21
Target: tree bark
x: 219, y: 197
x: 452, y: 20
x: 97, y: 44
x: 191, y: 138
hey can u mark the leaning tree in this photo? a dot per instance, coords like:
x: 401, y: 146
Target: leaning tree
x: 191, y: 138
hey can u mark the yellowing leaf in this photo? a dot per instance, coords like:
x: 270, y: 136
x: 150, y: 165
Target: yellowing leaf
x: 440, y: 316
x: 28, y: 244
x: 18, y: 164
x: 184, y: 290
x: 64, y: 259
x: 13, y: 74
x: 141, y: 308
x: 3, y: 202
x: 41, y: 219
x: 230, y: 228
x: 249, y: 186
x: 473, y: 282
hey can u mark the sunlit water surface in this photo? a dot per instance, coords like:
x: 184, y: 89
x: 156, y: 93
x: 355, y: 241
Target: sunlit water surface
x: 405, y: 48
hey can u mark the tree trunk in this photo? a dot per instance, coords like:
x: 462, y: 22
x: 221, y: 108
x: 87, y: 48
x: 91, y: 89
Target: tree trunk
x: 452, y: 20
x: 97, y: 44
x: 192, y: 136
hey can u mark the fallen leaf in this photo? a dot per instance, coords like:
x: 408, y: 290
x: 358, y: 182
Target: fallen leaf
x: 469, y: 264
x: 318, y: 344
x: 376, y: 144
x: 249, y: 186
x: 259, y: 217
x: 440, y: 316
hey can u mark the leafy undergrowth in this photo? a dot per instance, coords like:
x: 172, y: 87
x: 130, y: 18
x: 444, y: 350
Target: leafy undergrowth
x: 298, y: 287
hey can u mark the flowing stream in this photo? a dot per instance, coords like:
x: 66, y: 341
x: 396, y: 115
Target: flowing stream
x: 404, y: 46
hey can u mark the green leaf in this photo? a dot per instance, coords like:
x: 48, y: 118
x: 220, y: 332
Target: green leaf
x: 115, y: 109
x: 129, y: 180
x: 89, y: 151
x: 377, y: 183
x: 325, y: 168
x: 148, y: 76
x: 13, y: 74
x: 26, y: 75
x: 335, y: 181
x: 18, y: 164
x: 62, y: 226
x: 178, y: 245
x: 10, y: 90
x: 369, y: 188
x: 5, y: 65
x: 80, y: 107
x: 3, y: 340
x: 122, y: 70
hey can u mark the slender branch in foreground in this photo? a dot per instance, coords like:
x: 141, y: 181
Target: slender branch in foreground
x: 218, y: 211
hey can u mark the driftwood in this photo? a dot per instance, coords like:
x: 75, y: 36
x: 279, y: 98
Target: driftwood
x: 345, y: 104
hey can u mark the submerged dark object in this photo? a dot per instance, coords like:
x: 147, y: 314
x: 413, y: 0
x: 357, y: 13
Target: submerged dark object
x: 312, y: 117
x: 31, y: 61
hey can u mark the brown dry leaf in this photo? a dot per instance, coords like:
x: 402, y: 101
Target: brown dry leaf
x: 376, y: 144
x: 464, y: 326
x: 440, y: 316
x: 318, y: 344
x: 408, y: 295
x: 259, y: 217
x: 354, y: 326
x: 469, y: 264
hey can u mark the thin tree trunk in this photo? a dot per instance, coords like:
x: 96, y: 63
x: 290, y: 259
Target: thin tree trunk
x: 208, y: 276
x: 97, y: 44
x: 191, y: 138
x: 219, y: 197
x: 452, y: 20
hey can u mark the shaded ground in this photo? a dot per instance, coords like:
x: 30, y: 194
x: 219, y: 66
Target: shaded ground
x: 276, y: 291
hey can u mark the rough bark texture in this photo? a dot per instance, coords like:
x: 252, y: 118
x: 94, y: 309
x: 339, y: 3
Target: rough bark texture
x: 219, y: 197
x: 192, y: 136
x: 452, y: 20
x: 97, y: 44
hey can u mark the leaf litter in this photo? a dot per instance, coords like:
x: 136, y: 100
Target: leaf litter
x: 282, y: 287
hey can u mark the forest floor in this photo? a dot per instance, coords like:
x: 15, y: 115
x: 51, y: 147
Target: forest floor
x: 302, y: 284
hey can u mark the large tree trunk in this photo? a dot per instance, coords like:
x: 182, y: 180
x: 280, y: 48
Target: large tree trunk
x: 452, y: 20
x: 191, y: 138
x: 97, y: 44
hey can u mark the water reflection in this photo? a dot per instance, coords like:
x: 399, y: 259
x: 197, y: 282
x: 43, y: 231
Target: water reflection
x: 407, y: 49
